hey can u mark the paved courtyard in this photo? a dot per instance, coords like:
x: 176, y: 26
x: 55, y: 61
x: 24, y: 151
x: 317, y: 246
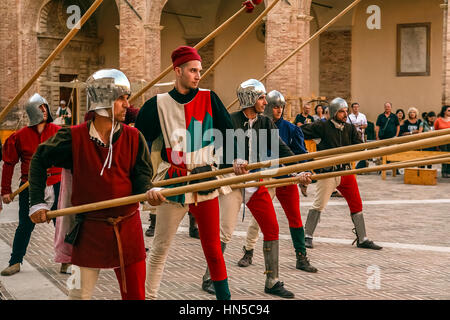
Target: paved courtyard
x: 411, y: 222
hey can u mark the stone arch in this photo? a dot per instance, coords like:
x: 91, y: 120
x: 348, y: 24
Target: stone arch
x: 59, y: 7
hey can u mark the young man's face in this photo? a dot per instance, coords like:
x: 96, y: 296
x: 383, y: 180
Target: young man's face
x: 260, y: 104
x: 44, y: 111
x: 342, y: 114
x: 189, y: 74
x: 277, y: 112
x: 120, y: 108
x: 355, y: 108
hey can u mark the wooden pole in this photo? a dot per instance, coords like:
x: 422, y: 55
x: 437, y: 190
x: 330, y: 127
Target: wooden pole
x: 19, y: 190
x: 313, y: 37
x: 356, y: 156
x: 50, y: 58
x: 318, y: 155
x: 242, y: 36
x: 275, y: 183
x: 307, y: 156
x: 197, y: 46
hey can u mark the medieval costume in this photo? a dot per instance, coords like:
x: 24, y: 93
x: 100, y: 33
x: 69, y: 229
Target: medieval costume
x: 251, y: 148
x: 336, y: 133
x: 181, y: 125
x: 108, y: 238
x: 288, y: 196
x: 21, y: 146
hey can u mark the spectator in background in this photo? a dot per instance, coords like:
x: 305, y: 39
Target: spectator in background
x: 358, y: 119
x: 387, y: 125
x: 304, y: 117
x: 424, y: 116
x: 428, y: 123
x: 319, y: 114
x: 443, y: 122
x: 64, y: 113
x: 400, y: 115
x: 412, y: 124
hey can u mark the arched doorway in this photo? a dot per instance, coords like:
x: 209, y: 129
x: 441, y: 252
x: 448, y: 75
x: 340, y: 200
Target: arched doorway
x: 95, y: 46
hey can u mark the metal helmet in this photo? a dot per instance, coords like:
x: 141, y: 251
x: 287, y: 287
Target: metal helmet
x: 336, y: 105
x: 34, y: 113
x: 249, y: 92
x: 104, y: 87
x: 274, y: 99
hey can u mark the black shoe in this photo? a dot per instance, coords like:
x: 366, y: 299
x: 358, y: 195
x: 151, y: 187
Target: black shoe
x: 309, y: 242
x: 303, y: 264
x: 208, y: 286
x: 246, y: 259
x: 150, y: 232
x: 193, y: 233
x: 279, y: 290
x: 336, y: 194
x: 368, y: 244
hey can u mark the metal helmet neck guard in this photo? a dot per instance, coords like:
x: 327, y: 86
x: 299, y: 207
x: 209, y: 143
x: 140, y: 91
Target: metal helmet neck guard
x: 249, y: 92
x: 274, y: 99
x: 34, y: 112
x: 336, y: 105
x: 104, y: 87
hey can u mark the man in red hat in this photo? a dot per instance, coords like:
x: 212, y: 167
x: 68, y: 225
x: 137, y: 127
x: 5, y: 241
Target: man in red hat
x: 182, y: 122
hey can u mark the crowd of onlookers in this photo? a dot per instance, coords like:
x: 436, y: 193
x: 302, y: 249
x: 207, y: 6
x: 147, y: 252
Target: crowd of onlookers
x: 388, y: 124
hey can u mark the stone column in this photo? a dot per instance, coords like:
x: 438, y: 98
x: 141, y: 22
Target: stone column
x: 445, y: 53
x: 132, y: 40
x: 287, y: 26
x: 152, y: 55
x: 9, y: 59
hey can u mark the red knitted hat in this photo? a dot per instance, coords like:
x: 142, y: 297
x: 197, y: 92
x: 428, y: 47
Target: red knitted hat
x: 184, y: 54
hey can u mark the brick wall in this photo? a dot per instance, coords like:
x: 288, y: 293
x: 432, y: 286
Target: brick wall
x: 335, y: 64
x: 9, y: 59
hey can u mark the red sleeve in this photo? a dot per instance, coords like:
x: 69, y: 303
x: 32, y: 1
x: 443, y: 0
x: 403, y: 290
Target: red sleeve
x: 10, y: 159
x: 436, y: 124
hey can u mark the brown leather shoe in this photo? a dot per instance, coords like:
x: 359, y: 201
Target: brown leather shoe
x: 11, y: 270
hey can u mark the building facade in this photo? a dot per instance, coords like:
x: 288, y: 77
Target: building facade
x: 382, y: 50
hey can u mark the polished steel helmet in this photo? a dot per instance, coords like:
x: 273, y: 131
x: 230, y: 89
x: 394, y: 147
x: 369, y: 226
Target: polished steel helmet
x: 249, y: 92
x: 104, y: 87
x: 336, y: 105
x: 34, y: 113
x: 274, y: 99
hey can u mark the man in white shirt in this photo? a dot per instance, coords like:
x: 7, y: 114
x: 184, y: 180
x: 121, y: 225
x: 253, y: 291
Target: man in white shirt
x: 358, y: 119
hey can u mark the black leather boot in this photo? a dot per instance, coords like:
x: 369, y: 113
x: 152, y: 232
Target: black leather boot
x: 150, y: 232
x: 303, y: 263
x: 246, y: 259
x: 193, y: 229
x: 273, y: 285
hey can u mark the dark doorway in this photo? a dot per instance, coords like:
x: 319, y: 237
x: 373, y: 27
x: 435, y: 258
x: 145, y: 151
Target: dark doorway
x: 69, y: 95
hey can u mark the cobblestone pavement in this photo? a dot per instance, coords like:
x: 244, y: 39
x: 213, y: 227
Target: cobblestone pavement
x: 412, y: 222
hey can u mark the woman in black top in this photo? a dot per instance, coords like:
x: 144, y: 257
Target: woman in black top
x: 411, y: 125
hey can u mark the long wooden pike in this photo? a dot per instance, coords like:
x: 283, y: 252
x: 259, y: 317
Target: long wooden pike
x: 19, y: 190
x: 361, y: 155
x: 52, y: 56
x: 199, y: 45
x: 242, y: 36
x: 314, y: 36
x: 307, y: 156
x: 296, y: 158
x: 275, y: 183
